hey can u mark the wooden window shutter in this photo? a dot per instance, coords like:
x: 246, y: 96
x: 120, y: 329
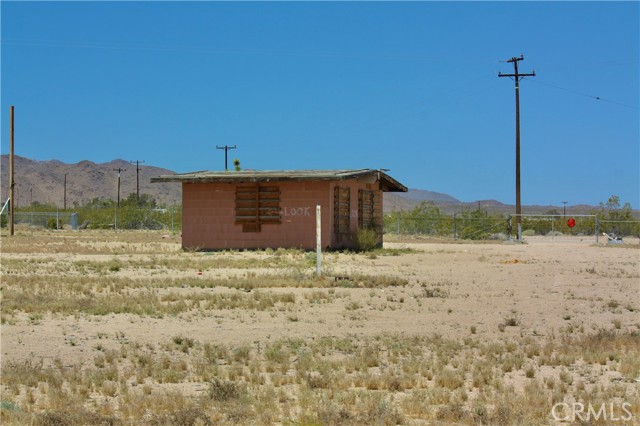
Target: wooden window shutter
x: 341, y: 213
x: 370, y: 209
x: 256, y: 205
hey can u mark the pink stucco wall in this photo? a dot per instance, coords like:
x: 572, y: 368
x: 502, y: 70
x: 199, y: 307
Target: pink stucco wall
x: 208, y: 216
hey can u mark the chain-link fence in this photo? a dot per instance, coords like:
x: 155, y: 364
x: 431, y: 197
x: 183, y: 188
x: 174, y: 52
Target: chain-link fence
x: 623, y: 228
x: 100, y: 218
x: 578, y: 225
x: 50, y: 220
x: 142, y: 218
x: 463, y: 226
x: 479, y: 225
x: 556, y: 227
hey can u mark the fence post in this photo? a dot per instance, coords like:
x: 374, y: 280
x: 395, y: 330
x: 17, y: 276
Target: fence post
x: 318, y: 241
x: 115, y: 218
x: 57, y: 219
x: 172, y: 231
x: 455, y: 231
x: 74, y: 221
x: 597, y: 229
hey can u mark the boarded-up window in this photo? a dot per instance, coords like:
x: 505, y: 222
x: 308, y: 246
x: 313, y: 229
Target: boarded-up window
x: 257, y: 205
x: 341, y: 217
x: 370, y: 210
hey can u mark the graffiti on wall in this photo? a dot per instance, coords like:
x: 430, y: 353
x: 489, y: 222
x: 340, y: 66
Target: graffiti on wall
x: 296, y: 211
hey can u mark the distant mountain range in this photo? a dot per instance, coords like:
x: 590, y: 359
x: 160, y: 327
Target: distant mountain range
x: 447, y: 204
x: 43, y: 182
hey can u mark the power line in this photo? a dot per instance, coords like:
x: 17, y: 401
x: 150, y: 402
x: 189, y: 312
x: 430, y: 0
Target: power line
x: 409, y: 56
x: 415, y: 107
x: 598, y: 98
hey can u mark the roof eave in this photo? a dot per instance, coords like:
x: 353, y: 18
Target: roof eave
x: 387, y: 183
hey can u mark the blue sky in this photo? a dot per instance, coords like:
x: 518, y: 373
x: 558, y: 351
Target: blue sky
x: 410, y: 86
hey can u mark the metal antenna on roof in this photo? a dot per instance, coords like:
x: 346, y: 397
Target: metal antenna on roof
x: 226, y: 156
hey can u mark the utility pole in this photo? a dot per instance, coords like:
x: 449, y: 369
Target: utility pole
x: 137, y: 179
x: 12, y: 182
x: 517, y: 76
x: 226, y: 150
x: 564, y: 208
x: 64, y: 205
x: 119, y: 170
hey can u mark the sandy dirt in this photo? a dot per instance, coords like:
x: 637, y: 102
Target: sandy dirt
x: 545, y: 284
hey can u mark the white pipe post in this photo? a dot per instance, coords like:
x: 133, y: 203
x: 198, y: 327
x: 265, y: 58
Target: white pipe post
x: 318, y: 241
x: 12, y: 182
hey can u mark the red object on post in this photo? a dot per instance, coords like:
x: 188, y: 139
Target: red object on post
x: 571, y: 222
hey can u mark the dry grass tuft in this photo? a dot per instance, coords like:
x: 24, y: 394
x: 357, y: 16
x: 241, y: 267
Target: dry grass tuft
x: 350, y: 379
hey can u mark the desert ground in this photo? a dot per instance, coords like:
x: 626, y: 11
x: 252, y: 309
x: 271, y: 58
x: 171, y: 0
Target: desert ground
x: 127, y: 328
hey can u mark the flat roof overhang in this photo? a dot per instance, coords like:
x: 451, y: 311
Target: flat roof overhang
x: 387, y: 183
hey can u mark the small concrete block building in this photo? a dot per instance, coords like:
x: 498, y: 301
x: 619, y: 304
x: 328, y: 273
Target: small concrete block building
x: 277, y: 209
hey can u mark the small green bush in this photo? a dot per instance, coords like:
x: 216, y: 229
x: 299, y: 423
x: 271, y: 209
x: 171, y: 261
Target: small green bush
x: 52, y: 223
x: 528, y: 232
x: 366, y: 239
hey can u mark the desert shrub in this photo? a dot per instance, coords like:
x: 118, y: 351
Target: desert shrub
x: 621, y: 218
x: 184, y: 417
x: 132, y: 213
x: 528, y: 232
x: 478, y: 224
x: 454, y: 412
x: 73, y: 417
x: 52, y: 223
x: 366, y: 239
x: 224, y: 390
x: 450, y: 379
x: 424, y: 219
x: 435, y: 292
